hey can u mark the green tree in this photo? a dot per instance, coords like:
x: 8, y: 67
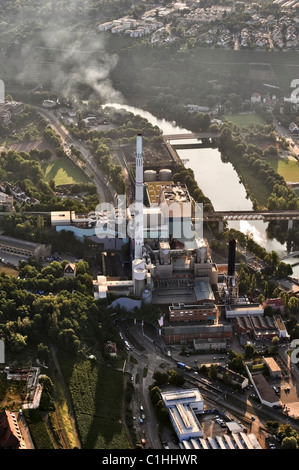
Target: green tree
x: 175, y: 378
x: 249, y: 351
x: 289, y: 443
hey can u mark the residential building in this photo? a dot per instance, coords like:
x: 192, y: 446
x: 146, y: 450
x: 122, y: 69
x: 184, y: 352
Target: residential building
x: 70, y: 270
x: 256, y: 98
x: 6, y: 203
x: 10, y: 109
x: 10, y: 437
x: 233, y: 377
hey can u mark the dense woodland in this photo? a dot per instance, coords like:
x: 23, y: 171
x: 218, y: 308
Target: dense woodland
x: 42, y: 306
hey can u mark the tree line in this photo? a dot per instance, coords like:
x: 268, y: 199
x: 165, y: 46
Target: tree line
x: 43, y: 306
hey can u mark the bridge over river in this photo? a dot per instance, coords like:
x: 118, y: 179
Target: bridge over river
x: 203, y: 139
x: 266, y: 216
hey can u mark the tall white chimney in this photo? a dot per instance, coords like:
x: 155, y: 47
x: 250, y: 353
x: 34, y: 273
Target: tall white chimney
x: 138, y: 219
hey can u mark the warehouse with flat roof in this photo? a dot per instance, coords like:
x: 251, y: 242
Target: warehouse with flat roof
x: 23, y: 248
x: 181, y: 406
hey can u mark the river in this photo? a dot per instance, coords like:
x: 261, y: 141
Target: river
x: 218, y: 181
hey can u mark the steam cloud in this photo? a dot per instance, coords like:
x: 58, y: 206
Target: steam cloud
x: 67, y: 61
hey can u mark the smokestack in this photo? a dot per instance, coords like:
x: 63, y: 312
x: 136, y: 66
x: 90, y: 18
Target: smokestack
x: 138, y: 219
x: 231, y: 257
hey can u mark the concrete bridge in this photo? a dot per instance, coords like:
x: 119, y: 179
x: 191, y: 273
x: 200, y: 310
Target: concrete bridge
x: 191, y: 135
x: 266, y: 216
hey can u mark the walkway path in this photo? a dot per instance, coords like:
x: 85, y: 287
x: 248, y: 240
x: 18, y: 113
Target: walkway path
x: 67, y: 396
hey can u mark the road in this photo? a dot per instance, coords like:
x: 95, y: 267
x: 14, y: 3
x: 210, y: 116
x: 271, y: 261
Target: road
x: 104, y: 188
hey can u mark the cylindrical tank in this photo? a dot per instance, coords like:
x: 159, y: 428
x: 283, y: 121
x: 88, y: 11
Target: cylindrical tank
x: 138, y: 271
x: 165, y: 175
x: 149, y: 175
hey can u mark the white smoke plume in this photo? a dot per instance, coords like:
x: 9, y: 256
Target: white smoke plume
x: 65, y: 59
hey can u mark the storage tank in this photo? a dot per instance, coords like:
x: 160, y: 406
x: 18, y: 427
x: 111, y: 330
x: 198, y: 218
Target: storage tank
x: 165, y: 175
x: 149, y: 175
x: 139, y: 271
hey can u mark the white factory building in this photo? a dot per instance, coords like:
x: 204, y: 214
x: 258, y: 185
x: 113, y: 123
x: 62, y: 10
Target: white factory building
x: 182, y: 406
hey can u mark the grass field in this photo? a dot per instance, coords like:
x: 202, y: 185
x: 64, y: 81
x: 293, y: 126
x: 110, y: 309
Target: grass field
x: 8, y: 270
x: 243, y: 120
x: 62, y: 171
x: 288, y: 169
x: 96, y: 392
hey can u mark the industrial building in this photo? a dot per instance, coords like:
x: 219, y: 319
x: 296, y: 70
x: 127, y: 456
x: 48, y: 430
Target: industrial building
x: 184, y: 334
x: 182, y: 406
x: 264, y: 391
x: 209, y: 344
x: 23, y: 249
x: 170, y: 262
x: 273, y: 367
x: 191, y: 313
x: 233, y: 441
x: 257, y: 327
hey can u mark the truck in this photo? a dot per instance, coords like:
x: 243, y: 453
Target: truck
x: 188, y: 368
x: 181, y: 365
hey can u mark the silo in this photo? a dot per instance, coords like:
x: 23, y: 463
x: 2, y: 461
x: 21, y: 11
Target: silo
x: 149, y: 176
x: 165, y: 175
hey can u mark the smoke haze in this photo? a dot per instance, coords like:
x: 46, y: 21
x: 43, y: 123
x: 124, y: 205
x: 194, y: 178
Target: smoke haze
x: 67, y: 61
